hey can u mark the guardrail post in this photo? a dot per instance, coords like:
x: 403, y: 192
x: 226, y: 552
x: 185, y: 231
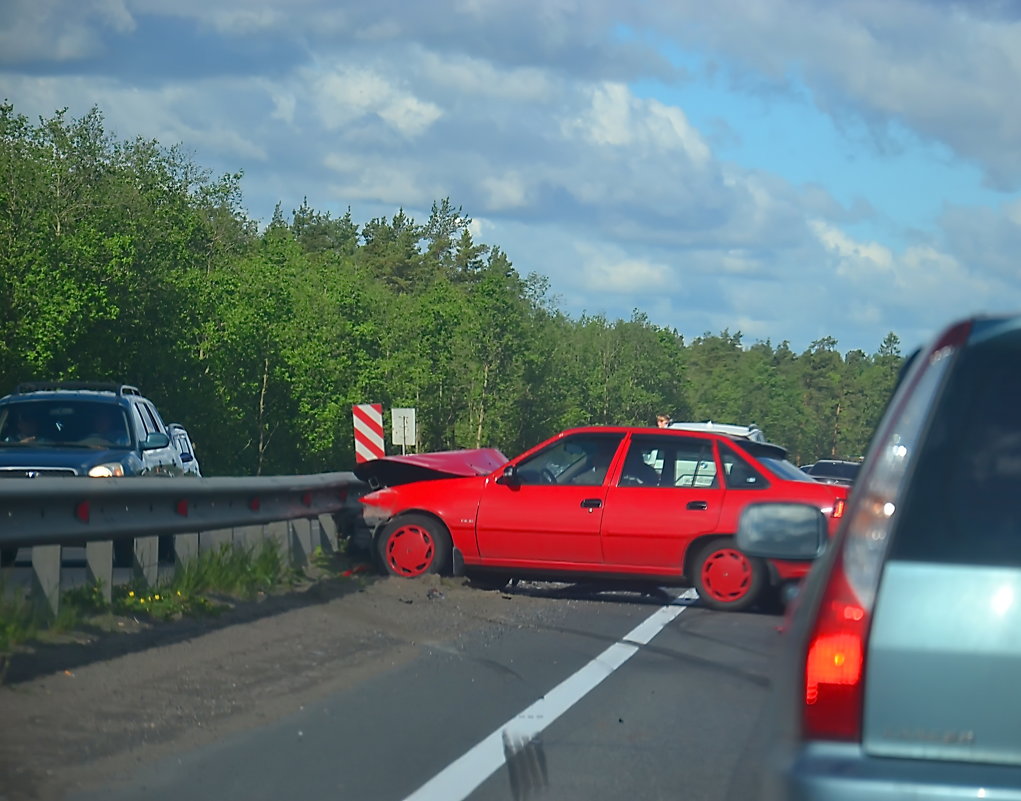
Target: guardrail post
x: 324, y: 529
x: 301, y: 542
x: 99, y: 566
x: 186, y: 548
x: 248, y: 537
x: 147, y: 560
x: 46, y: 577
x: 279, y: 533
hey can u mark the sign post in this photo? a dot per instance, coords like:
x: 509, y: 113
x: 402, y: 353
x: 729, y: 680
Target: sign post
x: 403, y: 428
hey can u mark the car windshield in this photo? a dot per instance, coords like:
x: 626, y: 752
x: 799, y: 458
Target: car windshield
x: 63, y: 423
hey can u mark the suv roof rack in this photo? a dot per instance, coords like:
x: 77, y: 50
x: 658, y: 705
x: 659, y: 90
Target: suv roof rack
x: 73, y: 386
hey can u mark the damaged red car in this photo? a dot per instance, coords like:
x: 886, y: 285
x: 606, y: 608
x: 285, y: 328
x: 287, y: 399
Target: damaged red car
x: 656, y: 506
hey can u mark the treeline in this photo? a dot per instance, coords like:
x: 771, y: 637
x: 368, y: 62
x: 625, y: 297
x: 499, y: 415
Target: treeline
x: 124, y: 260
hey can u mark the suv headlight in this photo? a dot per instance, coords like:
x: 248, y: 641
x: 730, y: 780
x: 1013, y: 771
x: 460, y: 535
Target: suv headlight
x: 109, y: 470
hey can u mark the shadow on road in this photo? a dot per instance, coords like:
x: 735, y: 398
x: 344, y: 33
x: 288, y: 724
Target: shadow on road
x: 110, y: 636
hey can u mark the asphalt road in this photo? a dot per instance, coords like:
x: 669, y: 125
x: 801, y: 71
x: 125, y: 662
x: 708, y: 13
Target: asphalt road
x: 564, y: 702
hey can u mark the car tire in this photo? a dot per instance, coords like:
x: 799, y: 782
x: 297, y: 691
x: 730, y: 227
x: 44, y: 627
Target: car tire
x: 413, y: 545
x: 7, y: 556
x: 726, y: 579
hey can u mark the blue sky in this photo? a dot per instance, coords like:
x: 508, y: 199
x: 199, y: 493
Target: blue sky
x: 788, y: 169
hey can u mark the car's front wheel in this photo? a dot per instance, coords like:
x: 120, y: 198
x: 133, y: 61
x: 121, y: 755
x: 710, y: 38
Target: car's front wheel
x: 726, y: 579
x: 413, y: 545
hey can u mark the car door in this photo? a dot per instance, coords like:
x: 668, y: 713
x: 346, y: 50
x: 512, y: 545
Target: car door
x: 551, y: 512
x: 649, y: 522
x: 158, y: 461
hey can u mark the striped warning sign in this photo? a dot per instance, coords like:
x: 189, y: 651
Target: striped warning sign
x: 369, y: 441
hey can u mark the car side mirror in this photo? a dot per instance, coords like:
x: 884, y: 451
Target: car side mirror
x: 155, y: 440
x: 509, y: 476
x: 791, y: 531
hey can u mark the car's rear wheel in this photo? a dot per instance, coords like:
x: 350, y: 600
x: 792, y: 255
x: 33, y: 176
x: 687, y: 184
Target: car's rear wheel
x: 727, y: 579
x: 413, y: 545
x: 7, y: 556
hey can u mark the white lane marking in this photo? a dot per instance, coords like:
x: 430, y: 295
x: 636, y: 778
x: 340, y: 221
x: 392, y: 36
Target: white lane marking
x: 460, y: 778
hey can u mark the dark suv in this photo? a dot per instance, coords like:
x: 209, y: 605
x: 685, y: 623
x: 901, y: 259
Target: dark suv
x: 900, y: 677
x: 83, y: 429
x: 80, y: 428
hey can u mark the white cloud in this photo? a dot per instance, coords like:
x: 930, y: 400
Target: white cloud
x: 476, y: 77
x: 51, y: 30
x: 607, y: 271
x: 195, y: 116
x: 856, y: 261
x: 507, y: 191
x: 396, y: 184
x: 347, y: 94
x: 285, y: 102
x: 616, y: 118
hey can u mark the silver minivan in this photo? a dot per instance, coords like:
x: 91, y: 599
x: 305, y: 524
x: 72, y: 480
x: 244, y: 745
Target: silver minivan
x: 901, y: 672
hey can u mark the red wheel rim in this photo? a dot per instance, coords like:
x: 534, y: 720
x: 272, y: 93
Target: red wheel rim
x: 410, y: 550
x: 726, y: 574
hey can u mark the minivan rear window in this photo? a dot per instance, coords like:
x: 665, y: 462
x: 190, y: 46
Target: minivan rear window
x: 963, y: 504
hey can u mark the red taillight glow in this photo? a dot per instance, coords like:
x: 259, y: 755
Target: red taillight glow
x: 838, y: 508
x: 834, y: 666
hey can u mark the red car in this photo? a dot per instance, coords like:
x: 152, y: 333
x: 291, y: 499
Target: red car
x: 639, y: 504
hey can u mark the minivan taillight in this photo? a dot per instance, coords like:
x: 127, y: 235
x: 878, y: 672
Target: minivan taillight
x: 836, y: 652
x: 834, y: 664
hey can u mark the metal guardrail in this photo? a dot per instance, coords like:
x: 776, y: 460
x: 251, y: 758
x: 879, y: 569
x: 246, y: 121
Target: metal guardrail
x: 72, y: 511
x: 46, y: 514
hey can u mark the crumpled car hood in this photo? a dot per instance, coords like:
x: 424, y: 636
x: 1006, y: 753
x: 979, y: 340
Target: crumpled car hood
x: 390, y: 471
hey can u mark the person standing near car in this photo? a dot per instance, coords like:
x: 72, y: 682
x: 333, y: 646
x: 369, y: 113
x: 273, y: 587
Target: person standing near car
x: 663, y: 421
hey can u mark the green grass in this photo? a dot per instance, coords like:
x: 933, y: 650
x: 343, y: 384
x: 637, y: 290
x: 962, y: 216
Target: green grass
x: 204, y: 586
x: 19, y: 620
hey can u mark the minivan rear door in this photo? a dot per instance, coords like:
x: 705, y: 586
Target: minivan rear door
x: 943, y: 666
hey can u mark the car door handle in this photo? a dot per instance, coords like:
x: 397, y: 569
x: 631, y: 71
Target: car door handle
x: 698, y: 506
x: 591, y: 503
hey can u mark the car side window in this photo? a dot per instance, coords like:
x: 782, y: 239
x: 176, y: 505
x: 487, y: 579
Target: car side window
x: 669, y: 461
x: 147, y: 425
x: 157, y: 423
x: 643, y: 465
x: 692, y: 464
x: 738, y: 472
x: 579, y: 460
